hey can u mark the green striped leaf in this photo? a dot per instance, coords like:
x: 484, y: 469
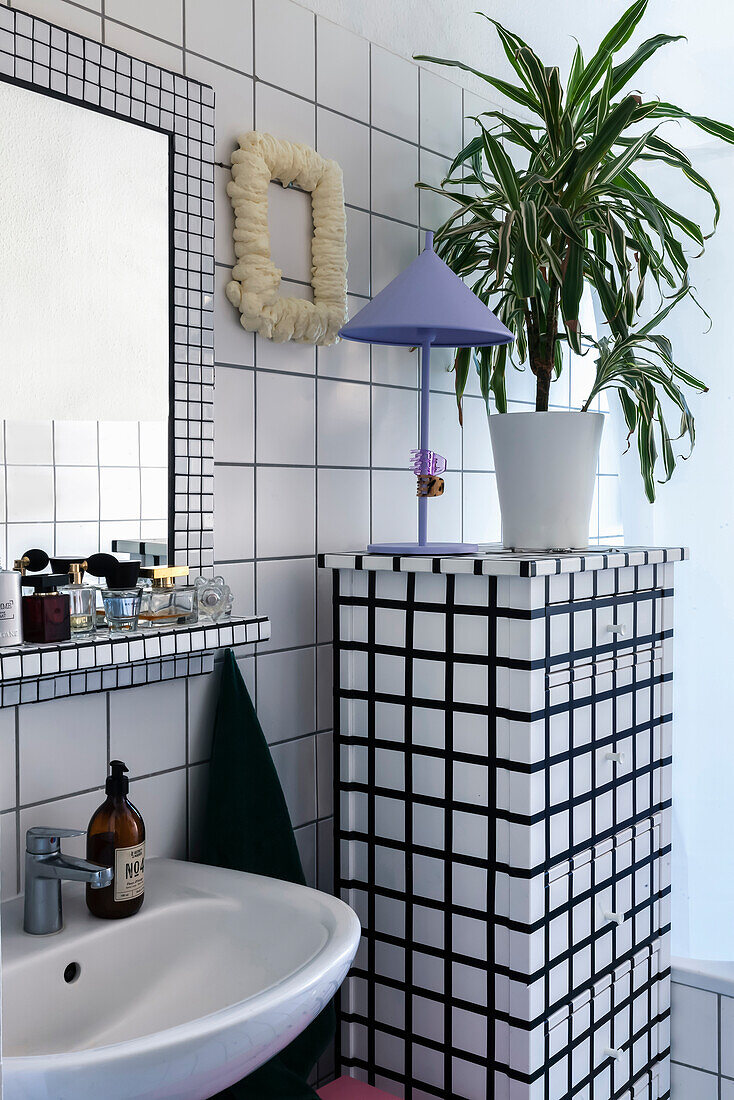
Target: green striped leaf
x: 613, y: 41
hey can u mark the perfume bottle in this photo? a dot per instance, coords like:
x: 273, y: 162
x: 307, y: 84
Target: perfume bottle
x: 122, y: 608
x: 165, y: 603
x: 214, y: 597
x: 121, y: 597
x: 82, y: 597
x: 46, y: 610
x: 11, y: 630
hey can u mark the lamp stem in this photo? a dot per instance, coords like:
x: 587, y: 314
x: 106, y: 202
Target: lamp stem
x: 423, y: 444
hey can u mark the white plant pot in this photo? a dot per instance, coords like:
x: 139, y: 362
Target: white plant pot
x: 545, y: 465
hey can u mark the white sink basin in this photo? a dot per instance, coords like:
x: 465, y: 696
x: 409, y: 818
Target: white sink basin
x: 218, y: 972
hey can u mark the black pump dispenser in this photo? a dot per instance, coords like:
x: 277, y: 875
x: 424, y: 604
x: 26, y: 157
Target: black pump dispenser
x: 117, y: 782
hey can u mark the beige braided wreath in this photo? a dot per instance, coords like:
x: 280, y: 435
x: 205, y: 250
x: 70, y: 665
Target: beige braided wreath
x: 255, y: 278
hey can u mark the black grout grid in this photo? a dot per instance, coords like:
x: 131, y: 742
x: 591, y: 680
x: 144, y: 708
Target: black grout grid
x: 106, y: 661
x: 60, y: 63
x: 502, y: 753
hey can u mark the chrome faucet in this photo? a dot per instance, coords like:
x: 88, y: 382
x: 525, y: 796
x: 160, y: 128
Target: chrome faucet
x: 45, y: 868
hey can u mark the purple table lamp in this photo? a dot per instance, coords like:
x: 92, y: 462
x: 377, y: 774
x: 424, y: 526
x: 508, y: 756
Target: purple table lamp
x: 426, y: 305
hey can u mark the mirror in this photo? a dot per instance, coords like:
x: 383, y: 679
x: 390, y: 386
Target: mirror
x: 84, y: 328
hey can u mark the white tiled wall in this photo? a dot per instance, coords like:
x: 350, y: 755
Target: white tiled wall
x: 72, y: 487
x: 702, y: 1044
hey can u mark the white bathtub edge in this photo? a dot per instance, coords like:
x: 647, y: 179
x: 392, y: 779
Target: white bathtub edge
x: 717, y: 977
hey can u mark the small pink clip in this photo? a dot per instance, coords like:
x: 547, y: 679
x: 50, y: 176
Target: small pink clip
x: 427, y: 463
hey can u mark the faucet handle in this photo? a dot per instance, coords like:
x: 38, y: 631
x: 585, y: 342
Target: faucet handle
x: 43, y: 840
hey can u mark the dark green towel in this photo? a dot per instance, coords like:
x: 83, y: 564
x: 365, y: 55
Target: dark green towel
x: 244, y: 790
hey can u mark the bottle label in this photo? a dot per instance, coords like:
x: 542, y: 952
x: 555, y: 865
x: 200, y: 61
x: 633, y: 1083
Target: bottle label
x: 129, y: 872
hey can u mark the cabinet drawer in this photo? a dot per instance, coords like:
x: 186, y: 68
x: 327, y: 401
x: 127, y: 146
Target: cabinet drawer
x: 595, y: 628
x: 582, y: 918
x: 603, y: 1045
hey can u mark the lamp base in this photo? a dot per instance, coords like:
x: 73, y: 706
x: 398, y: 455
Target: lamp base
x: 428, y: 549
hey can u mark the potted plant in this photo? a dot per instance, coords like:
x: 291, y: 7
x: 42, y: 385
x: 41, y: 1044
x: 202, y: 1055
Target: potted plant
x: 544, y: 208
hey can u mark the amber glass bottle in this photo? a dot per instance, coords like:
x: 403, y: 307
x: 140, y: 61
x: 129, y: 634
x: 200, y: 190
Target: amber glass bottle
x: 116, y: 839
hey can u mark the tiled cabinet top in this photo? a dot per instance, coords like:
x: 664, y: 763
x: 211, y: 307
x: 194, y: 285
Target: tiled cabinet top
x: 493, y: 561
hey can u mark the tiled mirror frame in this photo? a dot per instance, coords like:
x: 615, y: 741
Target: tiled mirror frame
x: 50, y: 60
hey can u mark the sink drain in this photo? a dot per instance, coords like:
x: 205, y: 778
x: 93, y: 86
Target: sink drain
x: 72, y: 972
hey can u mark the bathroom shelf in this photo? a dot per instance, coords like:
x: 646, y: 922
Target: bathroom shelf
x: 105, y: 661
x: 494, y: 561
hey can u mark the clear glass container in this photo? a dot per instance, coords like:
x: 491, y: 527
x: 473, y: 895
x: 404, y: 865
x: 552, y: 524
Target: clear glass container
x: 168, y: 606
x: 165, y: 603
x: 82, y: 611
x: 122, y: 608
x: 215, y: 597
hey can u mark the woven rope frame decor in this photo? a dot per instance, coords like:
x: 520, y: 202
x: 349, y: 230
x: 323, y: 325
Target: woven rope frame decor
x: 255, y: 285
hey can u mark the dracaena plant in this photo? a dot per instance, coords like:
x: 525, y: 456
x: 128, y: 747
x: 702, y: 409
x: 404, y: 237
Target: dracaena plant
x: 547, y: 205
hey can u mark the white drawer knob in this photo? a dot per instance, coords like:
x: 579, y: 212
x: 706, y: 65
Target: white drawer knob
x: 617, y: 628
x: 616, y: 757
x: 613, y: 1052
x: 613, y: 918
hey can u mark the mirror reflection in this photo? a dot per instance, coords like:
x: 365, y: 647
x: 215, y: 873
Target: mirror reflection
x: 84, y: 329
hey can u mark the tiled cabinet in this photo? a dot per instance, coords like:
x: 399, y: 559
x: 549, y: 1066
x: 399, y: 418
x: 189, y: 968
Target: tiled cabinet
x: 503, y: 751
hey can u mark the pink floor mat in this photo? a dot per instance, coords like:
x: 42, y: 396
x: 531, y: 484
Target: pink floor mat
x: 346, y: 1088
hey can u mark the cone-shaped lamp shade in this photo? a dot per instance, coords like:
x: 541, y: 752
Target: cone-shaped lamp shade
x: 427, y: 301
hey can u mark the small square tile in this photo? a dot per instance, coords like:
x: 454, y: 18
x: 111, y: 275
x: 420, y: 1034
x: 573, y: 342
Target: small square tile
x: 75, y: 443
x: 440, y: 114
x: 63, y: 747
x: 348, y: 143
x: 358, y: 251
x: 233, y: 513
x: 284, y: 46
x: 148, y: 727
x: 163, y: 19
x: 727, y: 1030
x: 161, y: 800
x: 394, y: 176
x: 343, y: 77
x: 687, y: 1082
x: 295, y: 762
x: 234, y: 416
x: 29, y: 443
x: 226, y: 37
x: 232, y: 343
x: 343, y: 423
x: 394, y: 426
x: 288, y: 714
x: 343, y: 510
x: 394, y: 246
x: 286, y: 593
x: 286, y: 410
x: 434, y: 209
x: 286, y: 116
x: 285, y: 511
x: 394, y: 94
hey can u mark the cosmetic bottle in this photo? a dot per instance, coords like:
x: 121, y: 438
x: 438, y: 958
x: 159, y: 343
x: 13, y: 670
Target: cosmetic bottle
x: 121, y: 596
x: 164, y: 603
x: 82, y: 597
x: 46, y: 611
x: 214, y: 598
x: 116, y: 839
x: 11, y: 623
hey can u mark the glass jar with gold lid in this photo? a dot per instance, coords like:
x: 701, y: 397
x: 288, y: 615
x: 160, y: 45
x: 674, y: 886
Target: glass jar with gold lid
x: 165, y: 603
